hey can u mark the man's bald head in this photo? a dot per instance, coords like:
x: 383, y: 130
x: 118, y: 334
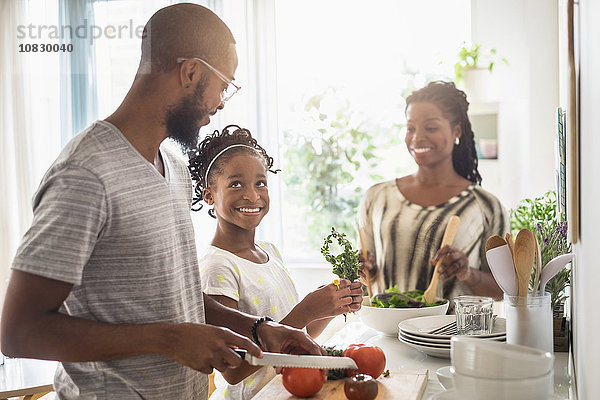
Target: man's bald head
x: 183, y: 30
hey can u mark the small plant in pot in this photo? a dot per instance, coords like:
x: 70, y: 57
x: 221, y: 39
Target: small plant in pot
x: 475, y: 56
x: 473, y: 69
x: 540, y: 215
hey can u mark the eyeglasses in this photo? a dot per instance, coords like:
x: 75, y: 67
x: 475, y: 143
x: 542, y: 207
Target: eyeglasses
x: 231, y: 88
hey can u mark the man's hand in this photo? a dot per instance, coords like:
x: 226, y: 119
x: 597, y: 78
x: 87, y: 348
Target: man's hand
x: 204, y: 347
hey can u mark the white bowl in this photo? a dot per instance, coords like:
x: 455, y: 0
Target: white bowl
x: 491, y: 359
x: 445, y: 377
x: 386, y: 320
x: 469, y: 387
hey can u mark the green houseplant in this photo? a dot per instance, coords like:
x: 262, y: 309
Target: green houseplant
x: 473, y: 56
x: 331, y: 159
x: 540, y: 215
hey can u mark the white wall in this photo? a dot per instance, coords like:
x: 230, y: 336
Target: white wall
x: 526, y: 33
x: 586, y: 272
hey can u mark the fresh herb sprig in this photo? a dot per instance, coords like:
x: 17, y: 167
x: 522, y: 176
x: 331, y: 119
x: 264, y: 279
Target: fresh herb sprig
x: 345, y: 264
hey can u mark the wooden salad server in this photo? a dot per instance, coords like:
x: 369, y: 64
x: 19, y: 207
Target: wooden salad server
x: 448, y: 238
x: 524, y: 256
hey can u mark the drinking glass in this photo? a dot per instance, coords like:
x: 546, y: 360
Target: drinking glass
x: 474, y: 315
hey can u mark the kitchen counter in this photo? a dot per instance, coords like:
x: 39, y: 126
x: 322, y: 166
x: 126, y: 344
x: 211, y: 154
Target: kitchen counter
x: 20, y: 377
x: 400, y: 355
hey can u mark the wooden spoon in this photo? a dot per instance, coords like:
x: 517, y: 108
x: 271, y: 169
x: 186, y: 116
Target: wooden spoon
x: 511, y: 244
x: 493, y: 242
x: 524, y: 255
x: 363, y: 249
x: 448, y: 238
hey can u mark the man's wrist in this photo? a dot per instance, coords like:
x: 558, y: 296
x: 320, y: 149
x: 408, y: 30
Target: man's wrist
x: 163, y: 338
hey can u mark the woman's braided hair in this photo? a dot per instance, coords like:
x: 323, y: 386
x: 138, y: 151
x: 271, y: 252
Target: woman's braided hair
x: 201, y: 157
x: 453, y: 103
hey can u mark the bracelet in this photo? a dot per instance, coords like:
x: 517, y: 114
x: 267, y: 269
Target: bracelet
x: 255, y: 326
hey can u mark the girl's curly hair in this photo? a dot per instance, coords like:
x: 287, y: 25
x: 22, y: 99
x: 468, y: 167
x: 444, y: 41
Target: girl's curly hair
x: 453, y: 103
x: 201, y: 157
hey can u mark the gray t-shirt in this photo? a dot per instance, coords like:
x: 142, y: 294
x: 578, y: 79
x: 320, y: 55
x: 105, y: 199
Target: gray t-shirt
x: 108, y: 222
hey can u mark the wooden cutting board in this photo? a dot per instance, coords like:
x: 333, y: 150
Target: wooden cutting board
x: 405, y: 384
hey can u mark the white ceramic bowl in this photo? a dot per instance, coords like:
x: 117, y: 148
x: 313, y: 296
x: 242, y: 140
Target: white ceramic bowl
x: 491, y: 359
x: 386, y: 320
x: 445, y: 377
x: 469, y: 387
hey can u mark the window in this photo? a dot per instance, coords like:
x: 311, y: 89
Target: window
x: 343, y: 69
x: 323, y: 86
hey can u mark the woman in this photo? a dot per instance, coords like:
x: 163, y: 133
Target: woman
x: 404, y: 219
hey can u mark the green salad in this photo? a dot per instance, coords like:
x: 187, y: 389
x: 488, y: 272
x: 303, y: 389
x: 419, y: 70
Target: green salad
x: 394, y: 298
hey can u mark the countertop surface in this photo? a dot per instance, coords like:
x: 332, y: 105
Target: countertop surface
x: 23, y: 376
x: 400, y: 355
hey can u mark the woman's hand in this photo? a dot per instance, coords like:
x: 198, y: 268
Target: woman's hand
x: 330, y: 301
x: 455, y: 264
x: 369, y: 264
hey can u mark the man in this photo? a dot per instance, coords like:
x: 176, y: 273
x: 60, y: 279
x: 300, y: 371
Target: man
x: 106, y: 280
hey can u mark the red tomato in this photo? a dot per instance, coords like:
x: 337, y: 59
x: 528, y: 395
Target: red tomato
x: 370, y: 360
x: 303, y: 382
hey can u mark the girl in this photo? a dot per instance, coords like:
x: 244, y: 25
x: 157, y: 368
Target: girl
x: 230, y: 174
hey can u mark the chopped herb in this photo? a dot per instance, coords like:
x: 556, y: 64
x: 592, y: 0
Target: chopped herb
x: 335, y: 374
x: 386, y: 373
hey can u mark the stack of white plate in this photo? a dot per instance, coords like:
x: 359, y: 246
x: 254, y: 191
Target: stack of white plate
x: 415, y: 333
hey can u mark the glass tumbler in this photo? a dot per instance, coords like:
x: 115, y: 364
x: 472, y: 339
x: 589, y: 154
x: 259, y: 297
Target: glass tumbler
x: 474, y: 315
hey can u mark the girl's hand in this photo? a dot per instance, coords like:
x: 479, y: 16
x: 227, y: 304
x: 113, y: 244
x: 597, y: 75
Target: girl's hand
x: 357, y: 296
x: 455, y: 263
x: 330, y: 301
x: 369, y: 264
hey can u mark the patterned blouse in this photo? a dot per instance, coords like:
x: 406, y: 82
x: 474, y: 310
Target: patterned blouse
x: 405, y: 236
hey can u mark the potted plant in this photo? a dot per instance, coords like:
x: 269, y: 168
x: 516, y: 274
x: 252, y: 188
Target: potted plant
x: 474, y: 67
x: 541, y: 217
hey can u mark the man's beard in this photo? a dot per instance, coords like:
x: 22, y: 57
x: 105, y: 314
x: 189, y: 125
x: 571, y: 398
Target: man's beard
x: 182, y: 120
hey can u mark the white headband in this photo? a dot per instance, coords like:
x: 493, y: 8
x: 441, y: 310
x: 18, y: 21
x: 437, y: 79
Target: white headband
x: 217, y: 156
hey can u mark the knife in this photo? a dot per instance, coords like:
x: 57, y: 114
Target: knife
x: 296, y: 361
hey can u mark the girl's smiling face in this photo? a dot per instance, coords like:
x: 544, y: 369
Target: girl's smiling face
x: 239, y: 192
x: 429, y: 134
